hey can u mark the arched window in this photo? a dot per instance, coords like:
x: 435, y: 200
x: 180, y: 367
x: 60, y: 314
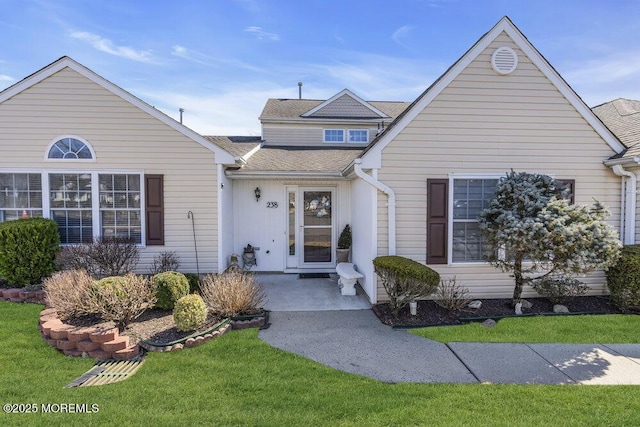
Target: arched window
x: 70, y: 148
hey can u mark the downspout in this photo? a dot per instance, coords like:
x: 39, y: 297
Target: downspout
x: 628, y: 202
x: 391, y: 202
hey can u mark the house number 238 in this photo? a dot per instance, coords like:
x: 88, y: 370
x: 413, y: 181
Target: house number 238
x: 272, y: 205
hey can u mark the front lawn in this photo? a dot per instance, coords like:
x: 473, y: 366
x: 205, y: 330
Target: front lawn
x: 240, y: 380
x: 587, y: 329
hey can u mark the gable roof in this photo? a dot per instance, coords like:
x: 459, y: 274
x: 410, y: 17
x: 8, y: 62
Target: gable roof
x: 622, y: 117
x: 371, y: 155
x: 345, y: 104
x: 293, y: 109
x: 221, y: 156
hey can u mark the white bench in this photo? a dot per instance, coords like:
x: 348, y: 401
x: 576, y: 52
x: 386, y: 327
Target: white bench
x: 348, y: 277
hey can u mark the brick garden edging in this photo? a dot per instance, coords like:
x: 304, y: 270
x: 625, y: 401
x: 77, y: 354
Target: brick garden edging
x: 106, y: 343
x: 22, y: 295
x: 79, y: 341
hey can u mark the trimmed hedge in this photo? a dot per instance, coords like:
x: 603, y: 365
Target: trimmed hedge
x: 623, y: 279
x: 170, y: 286
x: 405, y: 280
x: 28, y: 250
x: 190, y: 312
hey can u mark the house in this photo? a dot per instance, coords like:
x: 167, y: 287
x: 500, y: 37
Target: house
x: 409, y: 178
x: 622, y: 116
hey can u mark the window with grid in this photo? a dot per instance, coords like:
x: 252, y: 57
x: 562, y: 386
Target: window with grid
x: 358, y: 135
x: 120, y: 211
x: 20, y: 195
x: 69, y: 148
x: 470, y: 197
x: 70, y: 206
x: 333, y: 135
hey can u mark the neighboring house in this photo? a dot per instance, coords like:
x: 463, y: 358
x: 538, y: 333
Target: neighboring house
x: 622, y: 116
x: 409, y: 178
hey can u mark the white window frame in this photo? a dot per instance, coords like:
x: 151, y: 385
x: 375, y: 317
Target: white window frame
x: 324, y: 136
x: 452, y: 178
x: 26, y: 171
x: 366, y: 131
x: 79, y: 138
x: 95, y: 194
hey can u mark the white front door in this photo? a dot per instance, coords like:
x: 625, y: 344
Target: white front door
x: 317, y: 218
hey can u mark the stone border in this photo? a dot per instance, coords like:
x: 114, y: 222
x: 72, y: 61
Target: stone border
x: 22, y: 295
x: 78, y: 341
x: 106, y: 343
x: 250, y: 321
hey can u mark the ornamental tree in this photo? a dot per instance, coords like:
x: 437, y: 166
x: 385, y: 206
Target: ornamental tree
x: 535, y: 232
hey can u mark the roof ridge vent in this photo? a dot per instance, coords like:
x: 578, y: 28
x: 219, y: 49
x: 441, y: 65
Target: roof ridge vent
x: 504, y: 60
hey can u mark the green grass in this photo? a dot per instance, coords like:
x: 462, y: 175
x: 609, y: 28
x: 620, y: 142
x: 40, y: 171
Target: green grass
x: 239, y: 380
x: 614, y: 328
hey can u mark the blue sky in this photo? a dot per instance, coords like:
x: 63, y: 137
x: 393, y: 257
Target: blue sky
x: 221, y: 59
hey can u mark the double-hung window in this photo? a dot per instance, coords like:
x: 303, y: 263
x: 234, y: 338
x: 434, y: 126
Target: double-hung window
x: 470, y: 197
x: 120, y: 211
x: 20, y: 195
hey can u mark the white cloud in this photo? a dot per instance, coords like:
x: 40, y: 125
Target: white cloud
x: 606, y: 78
x: 262, y: 34
x: 5, y: 78
x: 210, y: 61
x: 399, y: 36
x: 233, y: 112
x: 105, y: 45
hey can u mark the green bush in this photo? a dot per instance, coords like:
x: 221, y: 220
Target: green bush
x: 405, y: 280
x: 623, y: 279
x: 28, y: 250
x: 170, y: 286
x: 344, y: 241
x: 190, y: 312
x: 194, y: 282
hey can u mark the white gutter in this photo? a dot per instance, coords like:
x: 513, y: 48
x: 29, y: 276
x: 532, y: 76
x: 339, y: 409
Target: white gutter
x: 391, y: 202
x: 627, y: 204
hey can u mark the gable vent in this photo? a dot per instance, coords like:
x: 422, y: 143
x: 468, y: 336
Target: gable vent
x: 504, y: 60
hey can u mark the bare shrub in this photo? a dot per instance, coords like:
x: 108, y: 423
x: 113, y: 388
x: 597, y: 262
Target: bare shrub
x: 67, y: 292
x: 559, y: 289
x: 231, y: 293
x: 122, y: 299
x: 165, y: 261
x: 105, y: 256
x: 451, y: 296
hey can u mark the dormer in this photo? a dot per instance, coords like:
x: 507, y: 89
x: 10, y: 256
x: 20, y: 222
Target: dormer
x: 344, y: 120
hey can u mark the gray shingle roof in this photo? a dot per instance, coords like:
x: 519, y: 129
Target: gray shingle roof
x: 294, y: 108
x: 236, y: 145
x: 295, y: 159
x: 622, y: 117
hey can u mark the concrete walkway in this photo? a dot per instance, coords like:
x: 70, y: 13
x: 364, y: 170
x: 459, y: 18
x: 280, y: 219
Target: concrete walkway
x: 356, y: 341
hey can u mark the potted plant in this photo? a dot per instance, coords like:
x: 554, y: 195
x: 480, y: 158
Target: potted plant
x: 344, y: 245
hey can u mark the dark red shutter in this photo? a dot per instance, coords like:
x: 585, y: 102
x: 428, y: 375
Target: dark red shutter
x: 154, y: 209
x: 437, y: 220
x: 571, y: 183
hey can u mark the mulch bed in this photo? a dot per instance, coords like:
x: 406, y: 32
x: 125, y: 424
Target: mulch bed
x: 431, y: 314
x: 153, y: 325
